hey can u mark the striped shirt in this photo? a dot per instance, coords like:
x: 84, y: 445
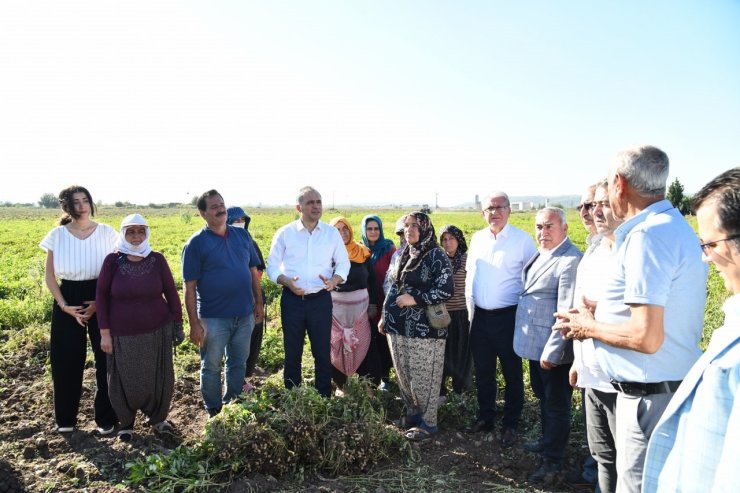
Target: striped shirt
x: 457, y: 302
x: 76, y: 259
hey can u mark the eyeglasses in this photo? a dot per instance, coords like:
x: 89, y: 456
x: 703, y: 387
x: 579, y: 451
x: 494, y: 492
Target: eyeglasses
x: 495, y: 208
x: 711, y: 245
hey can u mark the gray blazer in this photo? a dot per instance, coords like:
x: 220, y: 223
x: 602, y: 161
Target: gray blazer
x: 547, y: 288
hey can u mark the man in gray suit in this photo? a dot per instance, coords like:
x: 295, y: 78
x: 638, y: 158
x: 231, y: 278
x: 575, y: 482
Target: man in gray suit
x: 549, y: 285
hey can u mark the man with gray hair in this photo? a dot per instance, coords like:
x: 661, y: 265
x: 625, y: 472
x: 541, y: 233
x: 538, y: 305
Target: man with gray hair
x: 493, y: 283
x: 549, y: 285
x: 646, y: 350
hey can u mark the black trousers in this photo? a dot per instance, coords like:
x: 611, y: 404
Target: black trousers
x: 492, y: 337
x: 68, y: 352
x: 554, y: 392
x: 313, y: 315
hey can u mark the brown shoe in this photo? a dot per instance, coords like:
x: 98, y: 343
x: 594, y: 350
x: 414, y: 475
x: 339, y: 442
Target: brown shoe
x: 508, y: 437
x: 478, y: 426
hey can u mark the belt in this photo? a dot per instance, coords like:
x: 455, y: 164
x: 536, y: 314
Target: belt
x: 495, y: 310
x: 638, y: 388
x: 311, y: 296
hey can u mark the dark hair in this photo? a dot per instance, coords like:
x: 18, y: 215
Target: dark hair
x: 724, y: 192
x: 205, y: 196
x: 67, y: 203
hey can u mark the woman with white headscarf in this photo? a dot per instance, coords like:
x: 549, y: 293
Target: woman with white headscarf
x: 140, y: 319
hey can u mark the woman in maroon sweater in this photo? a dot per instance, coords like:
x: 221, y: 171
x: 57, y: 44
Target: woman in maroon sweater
x: 140, y: 319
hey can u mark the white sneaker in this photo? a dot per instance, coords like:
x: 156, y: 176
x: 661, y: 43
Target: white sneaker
x: 339, y: 393
x: 163, y: 427
x: 65, y: 429
x: 106, y: 430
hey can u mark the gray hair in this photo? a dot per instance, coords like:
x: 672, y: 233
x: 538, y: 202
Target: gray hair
x: 557, y: 210
x: 496, y: 194
x: 303, y: 192
x: 645, y: 168
x: 604, y: 183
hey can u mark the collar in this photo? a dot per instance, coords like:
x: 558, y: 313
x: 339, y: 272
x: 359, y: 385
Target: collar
x: 301, y: 227
x: 548, y: 253
x: 628, y: 225
x: 503, y: 233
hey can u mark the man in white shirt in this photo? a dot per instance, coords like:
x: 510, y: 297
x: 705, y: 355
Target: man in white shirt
x: 496, y: 259
x: 599, y: 397
x: 309, y: 259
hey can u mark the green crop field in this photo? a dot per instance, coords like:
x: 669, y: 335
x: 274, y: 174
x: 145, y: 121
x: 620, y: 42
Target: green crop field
x: 230, y: 447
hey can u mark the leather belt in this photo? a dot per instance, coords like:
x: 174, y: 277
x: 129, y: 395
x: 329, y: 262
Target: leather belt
x: 638, y: 388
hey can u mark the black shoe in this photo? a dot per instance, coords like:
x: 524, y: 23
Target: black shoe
x: 478, y: 426
x: 575, y: 478
x: 213, y: 412
x: 508, y: 437
x: 546, y: 469
x: 535, y: 447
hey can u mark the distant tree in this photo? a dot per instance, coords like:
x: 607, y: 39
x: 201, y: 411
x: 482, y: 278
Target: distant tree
x: 685, y: 205
x: 49, y: 201
x: 118, y: 204
x: 194, y: 201
x: 675, y: 194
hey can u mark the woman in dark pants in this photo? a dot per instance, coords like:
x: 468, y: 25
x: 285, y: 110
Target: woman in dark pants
x: 239, y: 219
x: 74, y: 255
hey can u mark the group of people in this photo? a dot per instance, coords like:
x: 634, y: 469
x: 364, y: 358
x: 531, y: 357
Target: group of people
x: 621, y: 321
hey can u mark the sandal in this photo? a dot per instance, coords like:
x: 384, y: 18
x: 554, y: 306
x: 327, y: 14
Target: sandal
x: 125, y: 435
x: 419, y: 434
x: 407, y: 421
x: 163, y: 427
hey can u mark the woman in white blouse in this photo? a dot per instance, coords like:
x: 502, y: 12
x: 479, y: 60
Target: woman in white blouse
x: 75, y: 252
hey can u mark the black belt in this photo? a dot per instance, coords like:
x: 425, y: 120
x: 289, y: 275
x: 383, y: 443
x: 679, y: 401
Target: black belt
x: 495, y: 310
x: 637, y: 388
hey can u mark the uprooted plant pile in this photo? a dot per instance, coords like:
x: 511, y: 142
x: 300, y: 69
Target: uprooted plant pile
x: 274, y: 431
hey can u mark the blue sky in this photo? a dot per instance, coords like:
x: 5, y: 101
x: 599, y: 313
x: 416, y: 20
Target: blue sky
x: 368, y: 101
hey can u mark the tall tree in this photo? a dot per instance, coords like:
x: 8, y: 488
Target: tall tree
x: 49, y: 201
x: 675, y: 194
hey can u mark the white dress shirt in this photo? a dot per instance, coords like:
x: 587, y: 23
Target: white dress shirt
x: 296, y: 252
x: 495, y: 264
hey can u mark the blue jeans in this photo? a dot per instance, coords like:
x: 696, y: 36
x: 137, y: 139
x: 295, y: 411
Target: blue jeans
x: 231, y: 336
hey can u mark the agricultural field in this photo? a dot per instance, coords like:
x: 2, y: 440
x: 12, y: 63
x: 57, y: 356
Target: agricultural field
x: 271, y: 440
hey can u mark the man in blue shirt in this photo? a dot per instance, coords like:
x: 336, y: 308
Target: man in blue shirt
x: 219, y: 271
x: 647, y: 326
x: 696, y: 444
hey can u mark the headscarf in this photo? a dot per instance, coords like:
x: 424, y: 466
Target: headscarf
x: 382, y: 246
x: 462, y: 246
x: 234, y: 213
x: 399, y: 231
x: 412, y: 254
x: 123, y: 246
x: 357, y: 252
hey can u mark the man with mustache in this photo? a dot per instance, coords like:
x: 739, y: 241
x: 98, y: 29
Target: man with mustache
x: 220, y: 278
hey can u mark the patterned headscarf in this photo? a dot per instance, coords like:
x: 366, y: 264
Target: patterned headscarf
x: 357, y: 252
x: 462, y: 246
x: 412, y: 254
x: 122, y: 246
x: 381, y: 246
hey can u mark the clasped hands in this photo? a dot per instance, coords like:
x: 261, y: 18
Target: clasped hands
x: 330, y: 283
x: 576, y: 322
x: 82, y: 313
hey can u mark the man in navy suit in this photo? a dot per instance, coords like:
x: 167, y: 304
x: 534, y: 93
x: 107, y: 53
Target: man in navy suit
x: 549, y: 285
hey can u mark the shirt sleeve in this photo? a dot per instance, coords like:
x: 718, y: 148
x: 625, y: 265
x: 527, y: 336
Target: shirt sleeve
x: 275, y: 257
x: 649, y: 267
x: 340, y: 256
x: 191, y: 260
x: 169, y: 289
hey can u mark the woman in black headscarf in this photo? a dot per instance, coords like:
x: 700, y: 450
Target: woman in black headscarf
x: 423, y: 277
x: 458, y: 362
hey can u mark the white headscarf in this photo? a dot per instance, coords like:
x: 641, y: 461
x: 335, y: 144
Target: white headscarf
x: 127, y: 248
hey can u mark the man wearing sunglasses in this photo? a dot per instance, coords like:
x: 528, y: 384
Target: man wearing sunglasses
x: 648, y: 324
